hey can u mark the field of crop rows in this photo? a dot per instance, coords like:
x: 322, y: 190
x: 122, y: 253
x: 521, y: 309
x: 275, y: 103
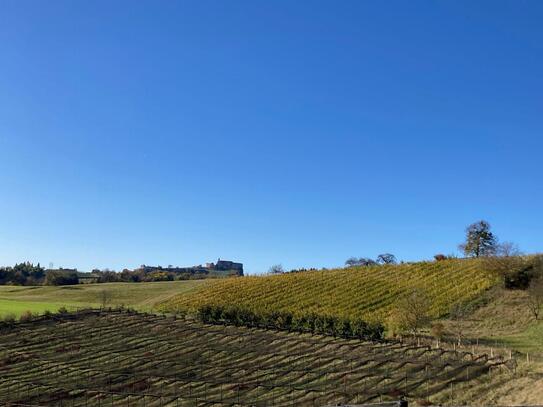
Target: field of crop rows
x: 367, y: 293
x: 122, y: 358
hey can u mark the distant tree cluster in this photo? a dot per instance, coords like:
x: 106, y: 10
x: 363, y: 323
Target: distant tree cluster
x: 145, y: 274
x: 61, y: 277
x: 33, y: 275
x: 136, y: 276
x: 30, y: 274
x: 385, y: 258
x: 22, y: 274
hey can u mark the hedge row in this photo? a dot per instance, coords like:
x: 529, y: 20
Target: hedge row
x: 320, y: 324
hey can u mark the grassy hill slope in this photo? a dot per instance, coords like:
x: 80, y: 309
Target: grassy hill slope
x: 367, y: 293
x: 37, y: 299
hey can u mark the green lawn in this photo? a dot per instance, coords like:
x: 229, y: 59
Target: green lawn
x: 142, y: 296
x: 531, y: 340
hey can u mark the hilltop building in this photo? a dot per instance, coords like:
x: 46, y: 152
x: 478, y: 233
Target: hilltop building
x: 225, y: 265
x: 222, y: 266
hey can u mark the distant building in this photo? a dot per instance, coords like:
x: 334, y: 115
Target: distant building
x: 223, y: 265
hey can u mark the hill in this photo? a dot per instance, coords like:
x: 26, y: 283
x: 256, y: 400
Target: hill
x: 366, y: 293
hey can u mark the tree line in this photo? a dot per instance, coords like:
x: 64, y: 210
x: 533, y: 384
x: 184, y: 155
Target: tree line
x: 283, y: 320
x: 30, y: 274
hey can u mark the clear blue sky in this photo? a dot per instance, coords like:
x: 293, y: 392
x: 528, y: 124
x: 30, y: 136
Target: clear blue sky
x: 301, y: 133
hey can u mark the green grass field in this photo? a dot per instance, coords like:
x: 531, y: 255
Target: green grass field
x: 141, y: 296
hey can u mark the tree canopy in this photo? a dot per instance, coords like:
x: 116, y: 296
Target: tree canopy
x: 480, y: 241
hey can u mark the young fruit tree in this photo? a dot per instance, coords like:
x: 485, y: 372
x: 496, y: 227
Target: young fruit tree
x: 104, y: 298
x: 535, y: 297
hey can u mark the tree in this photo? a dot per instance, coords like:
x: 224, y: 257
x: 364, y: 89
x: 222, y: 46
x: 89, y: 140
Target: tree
x: 386, y: 258
x: 351, y: 262
x: 61, y: 277
x: 366, y: 262
x: 276, y: 269
x: 438, y: 330
x: 104, y: 296
x: 360, y: 261
x: 535, y: 297
x: 480, y: 241
x: 507, y: 249
x: 411, y: 313
x: 508, y: 262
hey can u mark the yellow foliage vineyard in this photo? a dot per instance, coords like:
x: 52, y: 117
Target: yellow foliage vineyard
x: 367, y: 293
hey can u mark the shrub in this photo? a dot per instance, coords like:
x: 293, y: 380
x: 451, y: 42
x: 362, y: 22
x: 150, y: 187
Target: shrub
x: 515, y: 271
x: 63, y: 310
x: 438, y: 330
x: 9, y: 318
x: 440, y: 257
x: 323, y: 324
x: 26, y: 316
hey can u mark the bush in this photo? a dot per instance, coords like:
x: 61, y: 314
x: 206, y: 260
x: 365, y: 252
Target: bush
x: 438, y: 330
x: 516, y: 272
x: 9, y: 318
x: 26, y: 316
x: 440, y: 257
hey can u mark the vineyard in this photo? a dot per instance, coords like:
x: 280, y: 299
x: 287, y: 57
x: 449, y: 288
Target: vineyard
x: 94, y: 358
x: 356, y: 293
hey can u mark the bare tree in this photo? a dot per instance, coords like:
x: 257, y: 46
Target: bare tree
x: 507, y: 249
x: 411, y: 313
x: 366, y: 261
x: 104, y: 297
x: 509, y: 264
x: 276, y: 269
x: 535, y: 297
x: 386, y: 258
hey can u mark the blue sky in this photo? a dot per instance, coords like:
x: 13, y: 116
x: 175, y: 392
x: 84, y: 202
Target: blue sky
x: 299, y: 133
